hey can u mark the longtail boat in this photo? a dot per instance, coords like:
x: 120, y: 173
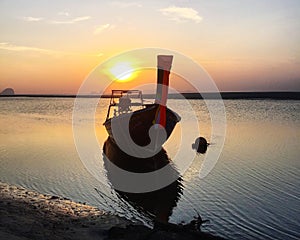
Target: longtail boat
x: 125, y: 104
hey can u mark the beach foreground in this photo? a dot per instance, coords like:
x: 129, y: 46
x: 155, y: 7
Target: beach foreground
x: 28, y: 214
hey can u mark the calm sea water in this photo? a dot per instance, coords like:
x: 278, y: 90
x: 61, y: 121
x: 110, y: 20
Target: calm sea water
x: 252, y: 193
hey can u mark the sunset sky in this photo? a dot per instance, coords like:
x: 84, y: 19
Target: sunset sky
x: 247, y: 45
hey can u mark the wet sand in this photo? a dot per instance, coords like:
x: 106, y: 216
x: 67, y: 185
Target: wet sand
x: 26, y: 214
x: 30, y: 215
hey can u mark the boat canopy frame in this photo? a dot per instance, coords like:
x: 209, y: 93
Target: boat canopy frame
x: 121, y: 99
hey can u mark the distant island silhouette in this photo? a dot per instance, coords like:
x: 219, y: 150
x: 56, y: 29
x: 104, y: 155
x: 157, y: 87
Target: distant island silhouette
x: 7, y: 92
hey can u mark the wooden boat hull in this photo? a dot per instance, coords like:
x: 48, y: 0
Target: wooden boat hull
x: 140, y: 123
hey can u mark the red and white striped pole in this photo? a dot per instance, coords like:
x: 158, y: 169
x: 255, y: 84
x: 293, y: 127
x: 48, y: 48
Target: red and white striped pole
x: 164, y: 64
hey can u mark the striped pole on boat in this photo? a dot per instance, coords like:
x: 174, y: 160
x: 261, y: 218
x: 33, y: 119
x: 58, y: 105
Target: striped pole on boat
x: 164, y: 64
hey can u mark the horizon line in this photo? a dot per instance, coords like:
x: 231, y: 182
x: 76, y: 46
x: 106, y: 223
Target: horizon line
x: 208, y: 95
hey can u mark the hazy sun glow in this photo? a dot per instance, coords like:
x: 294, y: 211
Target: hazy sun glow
x: 122, y: 71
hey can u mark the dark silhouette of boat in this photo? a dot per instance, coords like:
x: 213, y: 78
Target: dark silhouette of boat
x: 130, y: 111
x: 157, y: 204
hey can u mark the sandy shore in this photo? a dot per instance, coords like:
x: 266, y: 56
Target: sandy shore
x: 30, y: 215
x: 26, y: 214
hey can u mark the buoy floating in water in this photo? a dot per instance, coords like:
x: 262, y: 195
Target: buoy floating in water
x: 200, y: 145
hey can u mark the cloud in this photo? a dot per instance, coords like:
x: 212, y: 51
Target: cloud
x: 71, y: 21
x: 181, y: 14
x: 64, y: 14
x: 12, y: 47
x: 79, y: 19
x: 17, y: 48
x: 103, y: 27
x: 32, y: 19
x: 125, y: 4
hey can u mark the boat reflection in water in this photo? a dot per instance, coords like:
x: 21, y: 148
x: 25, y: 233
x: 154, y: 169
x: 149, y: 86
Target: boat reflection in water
x: 156, y: 204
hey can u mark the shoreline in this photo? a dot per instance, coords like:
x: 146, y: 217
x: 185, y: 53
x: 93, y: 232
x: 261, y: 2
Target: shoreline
x: 27, y: 214
x: 275, y: 95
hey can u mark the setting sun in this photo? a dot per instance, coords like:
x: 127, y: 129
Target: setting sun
x: 123, y: 71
